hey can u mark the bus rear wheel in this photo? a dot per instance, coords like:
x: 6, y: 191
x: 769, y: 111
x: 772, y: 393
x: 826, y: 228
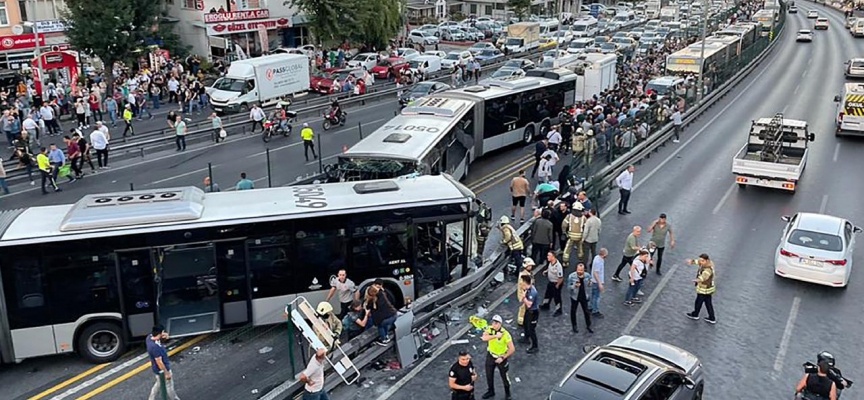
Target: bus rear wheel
x: 528, y: 135
x: 101, y: 342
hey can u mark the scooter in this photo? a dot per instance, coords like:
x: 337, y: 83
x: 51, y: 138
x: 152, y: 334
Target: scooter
x: 331, y: 119
x: 274, y: 127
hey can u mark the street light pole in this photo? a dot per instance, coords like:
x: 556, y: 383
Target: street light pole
x: 700, y: 82
x: 38, y: 54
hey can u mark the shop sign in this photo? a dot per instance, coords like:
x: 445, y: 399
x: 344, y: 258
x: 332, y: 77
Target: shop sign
x: 234, y: 16
x: 14, y: 42
x: 246, y: 26
x: 50, y: 26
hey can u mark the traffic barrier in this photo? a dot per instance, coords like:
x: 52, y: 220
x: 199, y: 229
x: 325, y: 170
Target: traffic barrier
x: 599, y: 184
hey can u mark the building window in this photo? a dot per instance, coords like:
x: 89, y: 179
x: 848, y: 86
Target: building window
x: 488, y: 10
x: 473, y: 9
x: 4, y: 18
x: 189, y: 4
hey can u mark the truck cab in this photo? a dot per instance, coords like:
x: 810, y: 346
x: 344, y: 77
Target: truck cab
x: 775, y: 154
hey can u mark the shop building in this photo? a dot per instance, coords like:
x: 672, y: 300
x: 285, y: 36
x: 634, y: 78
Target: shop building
x: 20, y: 21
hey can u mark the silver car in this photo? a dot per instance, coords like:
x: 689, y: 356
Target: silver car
x: 633, y: 368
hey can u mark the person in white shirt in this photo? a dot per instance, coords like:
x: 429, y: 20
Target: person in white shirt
x: 544, y: 173
x: 257, y: 116
x: 637, y: 268
x: 100, y: 143
x: 625, y: 186
x: 173, y: 87
x: 132, y: 101
x: 313, y: 377
x: 31, y: 127
x: 676, y: 123
x: 554, y: 138
x: 47, y: 113
x: 100, y: 126
x: 554, y: 158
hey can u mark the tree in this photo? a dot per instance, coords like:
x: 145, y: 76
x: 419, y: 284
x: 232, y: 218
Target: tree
x: 113, y: 30
x: 372, y: 22
x: 519, y: 7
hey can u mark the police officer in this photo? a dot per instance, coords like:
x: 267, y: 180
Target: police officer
x: 462, y: 377
x: 307, y: 135
x: 499, y: 349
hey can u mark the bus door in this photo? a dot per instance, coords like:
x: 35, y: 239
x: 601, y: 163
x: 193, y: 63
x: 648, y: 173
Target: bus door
x: 187, y: 289
x: 138, y: 285
x: 233, y: 284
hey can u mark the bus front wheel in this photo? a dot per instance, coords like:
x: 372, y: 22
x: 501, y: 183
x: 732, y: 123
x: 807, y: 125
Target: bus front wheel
x: 101, y: 342
x: 528, y: 135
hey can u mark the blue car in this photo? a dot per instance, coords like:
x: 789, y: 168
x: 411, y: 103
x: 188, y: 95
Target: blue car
x: 489, y: 54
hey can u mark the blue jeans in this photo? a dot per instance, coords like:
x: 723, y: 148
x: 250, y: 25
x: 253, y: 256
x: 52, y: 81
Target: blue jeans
x: 385, y: 325
x: 154, y: 99
x: 320, y: 395
x: 3, y: 186
x: 594, y: 303
x: 633, y: 289
x: 112, y: 115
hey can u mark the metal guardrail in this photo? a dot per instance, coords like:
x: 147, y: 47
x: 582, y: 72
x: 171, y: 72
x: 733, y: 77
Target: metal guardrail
x: 602, y: 181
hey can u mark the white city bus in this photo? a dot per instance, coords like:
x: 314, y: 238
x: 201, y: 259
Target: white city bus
x: 689, y: 59
x: 445, y: 132
x: 95, y: 275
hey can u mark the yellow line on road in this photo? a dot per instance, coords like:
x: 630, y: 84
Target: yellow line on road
x: 69, y: 381
x: 138, y: 369
x: 488, y: 185
x: 499, y: 170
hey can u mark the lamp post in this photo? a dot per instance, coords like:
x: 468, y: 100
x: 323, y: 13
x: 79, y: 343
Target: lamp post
x: 38, y: 54
x: 700, y: 82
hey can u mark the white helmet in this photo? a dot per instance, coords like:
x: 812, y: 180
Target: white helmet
x: 504, y: 220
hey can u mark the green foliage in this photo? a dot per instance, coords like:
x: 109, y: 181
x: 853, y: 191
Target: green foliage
x: 519, y: 7
x: 372, y: 22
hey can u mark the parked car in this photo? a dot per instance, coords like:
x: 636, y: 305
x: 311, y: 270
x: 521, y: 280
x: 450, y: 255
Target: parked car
x: 387, y: 67
x: 489, y: 54
x: 455, y: 58
x: 418, y: 36
x: 547, y: 43
x: 552, y: 55
x: 474, y: 34
x: 633, y: 368
x: 521, y: 63
x: 429, y: 64
x: 407, y: 53
x: 608, y: 48
x: 422, y: 89
x: 452, y: 34
x: 367, y: 60
x: 323, y: 82
x: 507, y: 73
x: 480, y: 46
x: 306, y: 49
x: 816, y: 248
x: 440, y: 53
x: 625, y: 44
x: 429, y: 28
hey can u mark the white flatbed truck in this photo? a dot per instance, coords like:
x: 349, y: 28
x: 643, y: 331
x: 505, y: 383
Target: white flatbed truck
x: 775, y: 154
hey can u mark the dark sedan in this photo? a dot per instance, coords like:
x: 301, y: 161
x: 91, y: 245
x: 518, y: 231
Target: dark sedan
x: 490, y: 54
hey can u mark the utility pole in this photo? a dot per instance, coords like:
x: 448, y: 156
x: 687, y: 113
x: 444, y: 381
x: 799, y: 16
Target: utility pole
x: 700, y: 82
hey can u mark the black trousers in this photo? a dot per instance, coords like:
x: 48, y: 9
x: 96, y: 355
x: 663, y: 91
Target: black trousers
x: 129, y: 128
x: 536, y: 165
x: 625, y: 200
x: 461, y: 395
x: 531, y: 318
x: 307, y: 145
x: 574, y: 304
x: 625, y: 262
x: 659, y: 259
x: 553, y: 293
x: 490, y: 373
x: 102, y: 157
x: 257, y: 123
x: 538, y: 252
x: 47, y: 176
x: 343, y: 310
x: 76, y: 165
x: 709, y: 305
x: 181, y: 142
x: 85, y: 158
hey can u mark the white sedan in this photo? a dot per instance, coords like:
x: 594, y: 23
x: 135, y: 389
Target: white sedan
x: 821, y: 23
x: 804, y: 35
x: 816, y: 248
x: 812, y: 14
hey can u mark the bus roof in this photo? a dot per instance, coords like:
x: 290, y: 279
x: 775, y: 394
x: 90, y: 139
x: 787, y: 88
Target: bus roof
x: 494, y: 89
x: 127, y: 213
x: 410, y: 135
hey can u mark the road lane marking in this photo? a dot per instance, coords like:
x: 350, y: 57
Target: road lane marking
x: 685, y: 144
x: 796, y: 88
x: 651, y: 298
x: 481, y: 181
x: 171, y: 178
x: 68, y: 382
x: 784, y: 108
x: 133, y: 372
x: 723, y: 199
x: 787, y: 335
x: 488, y: 183
x: 824, y: 205
x: 836, y: 152
x: 346, y: 129
x: 805, y: 71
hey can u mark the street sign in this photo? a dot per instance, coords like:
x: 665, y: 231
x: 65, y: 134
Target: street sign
x: 594, y: 10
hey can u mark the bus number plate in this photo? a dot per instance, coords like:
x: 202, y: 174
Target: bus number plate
x: 309, y: 196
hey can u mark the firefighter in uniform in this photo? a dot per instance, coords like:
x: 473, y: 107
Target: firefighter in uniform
x: 572, y: 226
x: 499, y: 349
x: 511, y: 238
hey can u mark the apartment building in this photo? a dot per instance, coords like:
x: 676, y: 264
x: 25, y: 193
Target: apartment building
x: 18, y: 21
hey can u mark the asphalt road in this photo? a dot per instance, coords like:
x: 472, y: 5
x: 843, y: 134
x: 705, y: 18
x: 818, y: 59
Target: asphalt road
x: 767, y: 326
x: 759, y: 327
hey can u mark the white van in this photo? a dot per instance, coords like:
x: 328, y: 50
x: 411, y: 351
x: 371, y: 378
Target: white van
x: 455, y: 58
x: 580, y: 45
x: 430, y: 64
x: 857, y: 28
x: 586, y: 27
x: 850, y: 110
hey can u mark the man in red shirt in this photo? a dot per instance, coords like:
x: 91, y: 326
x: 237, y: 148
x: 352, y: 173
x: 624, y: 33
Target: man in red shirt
x: 93, y: 101
x: 73, y: 153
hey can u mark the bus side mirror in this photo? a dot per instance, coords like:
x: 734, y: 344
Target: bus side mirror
x: 786, y: 218
x: 811, y: 137
x: 837, y: 99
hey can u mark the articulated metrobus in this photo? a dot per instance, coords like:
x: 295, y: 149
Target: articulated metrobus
x: 95, y: 275
x: 445, y: 132
x: 689, y: 60
x: 748, y: 32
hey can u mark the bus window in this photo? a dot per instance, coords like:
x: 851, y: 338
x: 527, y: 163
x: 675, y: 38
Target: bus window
x: 83, y: 283
x: 23, y: 280
x: 270, y: 266
x: 377, y: 247
x: 322, y: 250
x: 501, y: 114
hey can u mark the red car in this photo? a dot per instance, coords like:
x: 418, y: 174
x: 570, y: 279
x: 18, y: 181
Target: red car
x: 388, y: 66
x: 322, y: 82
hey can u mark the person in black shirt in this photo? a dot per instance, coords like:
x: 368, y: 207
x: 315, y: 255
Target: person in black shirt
x: 818, y: 384
x: 461, y: 378
x: 539, y: 148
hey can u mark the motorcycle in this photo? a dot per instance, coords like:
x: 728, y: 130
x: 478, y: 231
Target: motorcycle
x: 331, y: 119
x: 833, y: 373
x: 274, y: 127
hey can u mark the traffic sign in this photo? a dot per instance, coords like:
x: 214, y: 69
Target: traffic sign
x: 594, y: 10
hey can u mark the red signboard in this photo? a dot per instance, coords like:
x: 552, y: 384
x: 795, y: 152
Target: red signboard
x: 14, y: 42
x: 212, y: 18
x: 249, y: 26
